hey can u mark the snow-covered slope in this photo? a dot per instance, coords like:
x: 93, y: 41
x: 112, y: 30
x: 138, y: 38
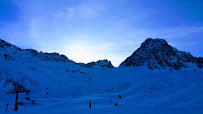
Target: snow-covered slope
x: 158, y: 54
x: 71, y: 86
x: 36, y: 70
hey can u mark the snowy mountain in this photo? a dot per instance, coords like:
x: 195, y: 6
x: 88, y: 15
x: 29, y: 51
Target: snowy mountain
x: 98, y: 64
x: 158, y: 54
x: 60, y: 85
x: 35, y: 70
x: 11, y: 52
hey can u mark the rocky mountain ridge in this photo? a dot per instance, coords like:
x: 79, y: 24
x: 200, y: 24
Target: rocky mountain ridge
x: 12, y: 52
x: 101, y: 63
x: 158, y: 54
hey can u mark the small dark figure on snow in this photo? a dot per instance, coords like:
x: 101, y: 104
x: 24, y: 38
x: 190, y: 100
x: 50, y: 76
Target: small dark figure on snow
x: 27, y: 98
x: 6, y: 107
x: 33, y: 101
x: 119, y: 96
x: 20, y: 103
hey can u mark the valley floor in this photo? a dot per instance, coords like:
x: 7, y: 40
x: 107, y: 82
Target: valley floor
x: 142, y: 91
x: 63, y: 106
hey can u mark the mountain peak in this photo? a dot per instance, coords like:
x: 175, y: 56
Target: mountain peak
x: 158, y: 54
x: 98, y: 64
x: 156, y: 40
x: 149, y: 42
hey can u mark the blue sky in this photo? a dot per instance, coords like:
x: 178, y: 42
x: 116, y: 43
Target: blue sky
x: 89, y: 30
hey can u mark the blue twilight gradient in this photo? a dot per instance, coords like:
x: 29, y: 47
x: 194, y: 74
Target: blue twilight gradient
x: 88, y: 30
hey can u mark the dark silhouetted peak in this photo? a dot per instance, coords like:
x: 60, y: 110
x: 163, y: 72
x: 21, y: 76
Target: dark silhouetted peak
x: 154, y: 43
x: 158, y: 54
x: 98, y: 64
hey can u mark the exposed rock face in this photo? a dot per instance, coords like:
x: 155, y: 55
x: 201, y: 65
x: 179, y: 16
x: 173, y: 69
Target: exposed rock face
x: 101, y: 63
x: 158, y: 54
x: 13, y: 53
x: 10, y: 52
x: 98, y: 64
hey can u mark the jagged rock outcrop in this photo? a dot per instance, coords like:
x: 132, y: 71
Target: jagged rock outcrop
x: 10, y: 52
x: 98, y: 64
x: 158, y: 54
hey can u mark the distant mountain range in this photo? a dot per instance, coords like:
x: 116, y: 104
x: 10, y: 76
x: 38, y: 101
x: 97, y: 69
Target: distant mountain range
x: 153, y: 53
x: 12, y: 52
x: 56, y: 81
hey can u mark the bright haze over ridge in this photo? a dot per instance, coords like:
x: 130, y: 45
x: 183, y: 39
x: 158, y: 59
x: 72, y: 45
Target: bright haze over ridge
x: 89, y: 30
